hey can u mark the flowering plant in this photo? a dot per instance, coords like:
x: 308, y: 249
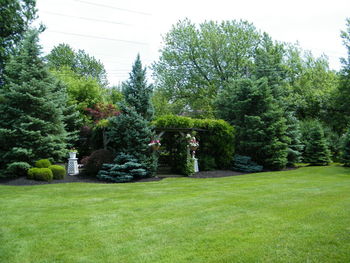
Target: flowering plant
x: 73, y: 150
x: 155, y: 143
x: 192, y: 142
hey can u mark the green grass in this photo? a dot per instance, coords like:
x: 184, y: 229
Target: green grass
x: 301, y: 215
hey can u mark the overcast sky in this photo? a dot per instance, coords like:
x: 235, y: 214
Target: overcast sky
x: 114, y: 31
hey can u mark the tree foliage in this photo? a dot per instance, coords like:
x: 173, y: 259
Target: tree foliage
x: 31, y: 121
x: 15, y: 18
x: 137, y: 92
x: 261, y: 127
x: 81, y: 63
x: 130, y: 133
x: 200, y: 60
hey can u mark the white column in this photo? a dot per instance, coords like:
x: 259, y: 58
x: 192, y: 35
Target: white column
x: 73, y: 166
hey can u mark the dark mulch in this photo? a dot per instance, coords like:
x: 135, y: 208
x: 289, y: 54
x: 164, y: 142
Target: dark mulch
x: 84, y: 179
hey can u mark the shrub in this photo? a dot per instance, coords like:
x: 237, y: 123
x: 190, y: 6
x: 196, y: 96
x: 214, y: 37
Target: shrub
x: 43, y: 163
x: 58, y: 171
x: 245, y: 164
x: 206, y: 163
x: 124, y: 169
x: 18, y: 168
x: 40, y: 174
x: 94, y: 162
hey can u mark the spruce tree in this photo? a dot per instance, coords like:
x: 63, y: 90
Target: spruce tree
x: 31, y: 120
x: 293, y: 133
x: 261, y: 128
x: 137, y: 92
x: 346, y: 149
x: 130, y: 133
x: 316, y: 148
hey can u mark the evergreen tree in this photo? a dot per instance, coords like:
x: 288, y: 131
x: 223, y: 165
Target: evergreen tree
x: 15, y: 17
x: 261, y: 127
x: 316, y: 148
x: 346, y: 149
x: 31, y: 121
x: 295, y: 145
x: 130, y: 133
x: 137, y: 92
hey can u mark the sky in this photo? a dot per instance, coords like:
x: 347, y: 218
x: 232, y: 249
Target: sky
x: 115, y: 31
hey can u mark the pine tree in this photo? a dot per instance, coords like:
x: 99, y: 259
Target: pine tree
x: 31, y: 122
x: 346, y: 149
x: 130, y: 133
x: 137, y: 92
x: 261, y: 127
x: 295, y: 146
x: 316, y: 148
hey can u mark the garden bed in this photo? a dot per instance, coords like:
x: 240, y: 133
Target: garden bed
x: 84, y: 179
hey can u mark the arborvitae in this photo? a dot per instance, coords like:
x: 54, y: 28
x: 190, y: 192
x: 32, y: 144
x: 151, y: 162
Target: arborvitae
x: 295, y: 146
x: 31, y: 122
x: 137, y: 92
x: 346, y: 149
x: 130, y: 133
x: 316, y: 148
x: 261, y: 127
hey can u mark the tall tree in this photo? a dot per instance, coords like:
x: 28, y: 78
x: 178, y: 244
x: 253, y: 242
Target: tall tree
x: 342, y: 102
x: 78, y: 61
x: 261, y: 127
x: 202, y: 59
x: 31, y: 121
x: 137, y: 92
x: 15, y: 17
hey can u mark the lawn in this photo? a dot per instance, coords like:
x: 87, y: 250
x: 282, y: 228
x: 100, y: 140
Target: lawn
x: 300, y: 215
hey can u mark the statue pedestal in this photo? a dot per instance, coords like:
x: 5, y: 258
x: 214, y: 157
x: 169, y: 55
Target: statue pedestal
x: 73, y: 166
x: 196, y: 168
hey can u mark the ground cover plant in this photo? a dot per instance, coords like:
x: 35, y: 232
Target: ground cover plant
x: 301, y: 215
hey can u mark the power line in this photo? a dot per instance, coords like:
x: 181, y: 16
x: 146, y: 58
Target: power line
x: 97, y: 37
x: 86, y: 18
x: 112, y: 7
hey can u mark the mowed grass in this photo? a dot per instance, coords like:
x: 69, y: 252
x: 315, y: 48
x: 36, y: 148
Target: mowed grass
x: 301, y: 215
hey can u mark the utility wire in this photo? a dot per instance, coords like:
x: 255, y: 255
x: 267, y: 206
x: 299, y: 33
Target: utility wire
x: 112, y: 7
x: 97, y: 37
x: 86, y: 18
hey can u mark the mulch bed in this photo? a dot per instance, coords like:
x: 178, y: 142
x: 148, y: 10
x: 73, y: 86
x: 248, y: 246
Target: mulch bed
x: 83, y: 179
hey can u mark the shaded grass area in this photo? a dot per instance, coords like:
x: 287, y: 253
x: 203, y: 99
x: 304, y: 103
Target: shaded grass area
x: 300, y: 215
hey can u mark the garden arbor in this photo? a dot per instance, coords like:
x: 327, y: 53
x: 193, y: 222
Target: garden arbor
x: 176, y: 150
x: 216, y: 143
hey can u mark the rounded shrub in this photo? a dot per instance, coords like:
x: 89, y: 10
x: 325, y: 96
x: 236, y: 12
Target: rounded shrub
x: 18, y: 169
x: 58, y: 171
x: 94, y: 162
x: 40, y: 174
x: 43, y: 163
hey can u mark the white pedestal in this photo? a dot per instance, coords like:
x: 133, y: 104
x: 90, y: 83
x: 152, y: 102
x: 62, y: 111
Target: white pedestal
x: 73, y: 166
x: 196, y: 168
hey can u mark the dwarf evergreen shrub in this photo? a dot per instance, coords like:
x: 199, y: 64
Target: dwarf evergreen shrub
x: 124, y: 169
x: 18, y: 168
x: 40, y: 174
x: 245, y: 164
x: 43, y: 163
x: 58, y: 171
